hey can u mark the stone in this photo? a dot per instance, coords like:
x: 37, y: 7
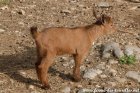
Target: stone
x: 103, y: 76
x: 132, y: 50
x: 31, y: 87
x: 101, y: 66
x: 4, y: 8
x: 111, y: 61
x: 120, y: 80
x: 106, y: 55
x: 91, y: 73
x: 133, y: 8
x: 114, y: 47
x: 66, y: 64
x: 2, y: 30
x: 66, y: 90
x: 22, y: 73
x: 21, y: 12
x: 82, y: 68
x: 79, y: 86
x: 85, y: 91
x: 104, y: 5
x: 133, y: 75
x: 112, y: 72
x: 111, y: 83
x: 135, y: 1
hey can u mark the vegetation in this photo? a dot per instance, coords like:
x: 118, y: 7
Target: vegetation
x: 4, y: 2
x: 131, y: 59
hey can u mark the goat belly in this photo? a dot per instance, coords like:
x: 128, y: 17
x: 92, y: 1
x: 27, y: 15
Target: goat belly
x: 62, y: 51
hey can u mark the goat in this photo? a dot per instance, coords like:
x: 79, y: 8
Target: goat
x: 54, y: 41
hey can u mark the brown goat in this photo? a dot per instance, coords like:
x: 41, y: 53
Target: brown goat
x: 77, y: 41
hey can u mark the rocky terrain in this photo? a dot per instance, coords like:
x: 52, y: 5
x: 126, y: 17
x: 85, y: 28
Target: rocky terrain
x: 101, y: 71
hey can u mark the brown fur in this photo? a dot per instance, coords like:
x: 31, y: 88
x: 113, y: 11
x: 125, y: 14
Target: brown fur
x: 61, y: 40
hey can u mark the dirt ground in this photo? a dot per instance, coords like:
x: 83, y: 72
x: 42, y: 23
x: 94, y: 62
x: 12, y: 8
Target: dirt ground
x: 18, y: 52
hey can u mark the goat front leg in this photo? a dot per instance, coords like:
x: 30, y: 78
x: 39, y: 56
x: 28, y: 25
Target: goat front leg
x: 43, y: 70
x: 78, y: 61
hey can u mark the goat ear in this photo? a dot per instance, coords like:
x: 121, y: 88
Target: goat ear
x: 105, y: 19
x: 102, y: 19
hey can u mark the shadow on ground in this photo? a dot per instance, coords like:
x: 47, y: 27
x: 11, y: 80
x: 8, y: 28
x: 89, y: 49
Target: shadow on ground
x: 11, y: 64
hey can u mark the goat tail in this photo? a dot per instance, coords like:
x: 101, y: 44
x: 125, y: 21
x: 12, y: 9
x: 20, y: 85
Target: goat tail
x: 33, y: 31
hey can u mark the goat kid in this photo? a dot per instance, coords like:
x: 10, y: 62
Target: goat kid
x: 77, y: 41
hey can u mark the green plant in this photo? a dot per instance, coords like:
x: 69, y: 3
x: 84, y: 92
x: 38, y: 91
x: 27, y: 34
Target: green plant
x: 4, y: 1
x: 131, y: 59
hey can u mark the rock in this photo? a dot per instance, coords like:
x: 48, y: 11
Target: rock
x: 71, y: 63
x: 132, y: 50
x: 23, y: 73
x: 112, y: 72
x: 73, y: 1
x: 21, y: 12
x: 114, y: 47
x: 2, y: 30
x: 22, y: 1
x: 65, y: 12
x: 133, y: 75
x: 101, y: 66
x: 111, y: 61
x: 133, y: 8
x: 104, y: 5
x: 103, y: 76
x: 112, y: 84
x: 21, y: 23
x: 119, y: 1
x: 85, y: 91
x: 4, y: 8
x: 106, y: 55
x: 66, y: 89
x: 79, y: 86
x: 135, y: 1
x: 31, y: 87
x: 91, y: 73
x: 82, y: 68
x: 120, y: 80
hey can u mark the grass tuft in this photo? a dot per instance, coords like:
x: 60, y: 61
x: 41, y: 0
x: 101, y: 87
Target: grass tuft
x: 5, y: 2
x: 131, y: 59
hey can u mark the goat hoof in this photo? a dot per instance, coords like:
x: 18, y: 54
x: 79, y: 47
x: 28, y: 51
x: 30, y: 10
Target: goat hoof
x: 77, y: 79
x: 46, y: 87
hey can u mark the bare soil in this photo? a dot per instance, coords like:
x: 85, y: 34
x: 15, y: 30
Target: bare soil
x: 18, y: 52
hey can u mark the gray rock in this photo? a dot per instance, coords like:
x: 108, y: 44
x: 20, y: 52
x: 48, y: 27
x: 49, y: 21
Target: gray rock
x: 135, y: 1
x: 22, y: 73
x: 111, y: 83
x: 103, y: 76
x: 82, y: 68
x: 4, y: 8
x: 21, y: 12
x: 101, y: 66
x: 133, y: 75
x: 2, y: 30
x: 106, y: 55
x: 111, y: 61
x: 112, y: 72
x: 91, y: 73
x: 66, y: 89
x: 66, y: 64
x: 31, y: 87
x: 120, y: 80
x: 114, y: 47
x: 132, y: 50
x: 85, y: 91
x: 104, y: 4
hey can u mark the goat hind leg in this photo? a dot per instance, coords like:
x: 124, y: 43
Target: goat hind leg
x: 43, y: 70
